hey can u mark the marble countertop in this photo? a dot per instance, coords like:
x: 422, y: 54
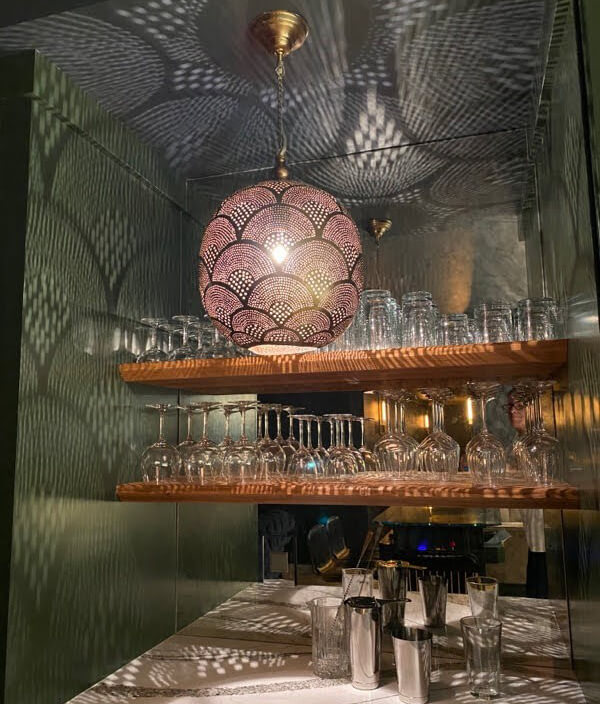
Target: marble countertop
x: 255, y: 649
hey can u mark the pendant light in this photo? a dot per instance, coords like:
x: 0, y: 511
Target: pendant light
x: 280, y: 266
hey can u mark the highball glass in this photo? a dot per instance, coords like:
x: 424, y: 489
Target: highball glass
x: 482, y: 642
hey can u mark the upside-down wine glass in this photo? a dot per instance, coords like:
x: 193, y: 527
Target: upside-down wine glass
x: 370, y: 459
x: 206, y: 459
x: 186, y: 447
x: 171, y: 329
x: 160, y: 461
x: 185, y: 350
x: 290, y: 444
x: 397, y: 450
x: 541, y: 450
x: 485, y: 452
x: 305, y: 463
x: 154, y: 352
x: 438, y: 455
x: 349, y: 419
x: 272, y: 456
x: 320, y: 449
x: 523, y: 401
x: 241, y: 461
x: 227, y: 441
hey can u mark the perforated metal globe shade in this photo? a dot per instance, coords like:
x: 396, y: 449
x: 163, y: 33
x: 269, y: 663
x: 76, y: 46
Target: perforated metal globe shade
x: 280, y: 268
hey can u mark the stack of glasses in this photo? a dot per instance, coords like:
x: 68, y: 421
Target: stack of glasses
x: 536, y: 455
x: 381, y: 322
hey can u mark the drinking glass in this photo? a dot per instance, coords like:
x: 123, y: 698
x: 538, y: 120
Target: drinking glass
x: 153, y: 353
x: 494, y: 322
x: 537, y: 319
x: 185, y: 350
x: 290, y: 444
x: 396, y: 449
x: 370, y: 459
x: 272, y: 456
x: 342, y: 462
x: 305, y: 463
x: 541, y: 451
x: 329, y: 638
x: 160, y: 461
x: 381, y: 321
x: 357, y: 581
x: 453, y: 329
x: 206, y: 458
x: 171, y: 329
x: 320, y: 449
x: 227, y: 441
x: 241, y: 460
x: 418, y: 319
x: 485, y: 452
x: 186, y: 447
x: 483, y: 596
x: 482, y: 646
x: 438, y: 454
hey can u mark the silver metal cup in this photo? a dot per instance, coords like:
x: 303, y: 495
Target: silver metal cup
x: 434, y: 595
x: 392, y: 576
x: 363, y: 623
x: 412, y: 653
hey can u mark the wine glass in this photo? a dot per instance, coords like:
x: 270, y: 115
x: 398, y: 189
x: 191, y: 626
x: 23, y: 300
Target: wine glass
x: 485, y: 452
x: 241, y: 460
x: 370, y: 459
x: 342, y: 463
x: 348, y: 419
x: 171, y: 329
x: 289, y: 445
x: 272, y: 456
x: 153, y: 353
x: 206, y: 459
x: 227, y: 441
x: 305, y: 463
x: 186, y: 447
x: 396, y: 449
x: 541, y: 451
x: 438, y: 455
x: 185, y: 350
x: 160, y: 461
x: 320, y: 449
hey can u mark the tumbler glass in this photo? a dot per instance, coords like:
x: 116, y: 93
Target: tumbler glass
x: 537, y: 319
x: 494, y: 322
x: 453, y: 329
x: 483, y: 595
x: 381, y: 320
x: 482, y: 644
x: 418, y: 319
x: 329, y: 638
x: 357, y: 581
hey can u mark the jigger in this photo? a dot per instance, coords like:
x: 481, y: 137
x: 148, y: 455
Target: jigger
x: 434, y: 595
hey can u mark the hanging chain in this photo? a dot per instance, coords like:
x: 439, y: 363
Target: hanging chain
x: 282, y: 146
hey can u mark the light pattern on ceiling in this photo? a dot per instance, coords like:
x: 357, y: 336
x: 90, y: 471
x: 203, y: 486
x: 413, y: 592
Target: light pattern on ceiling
x: 374, y: 75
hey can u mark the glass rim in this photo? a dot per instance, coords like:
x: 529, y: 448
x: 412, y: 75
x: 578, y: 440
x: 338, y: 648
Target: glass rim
x: 482, y: 583
x: 410, y: 633
x: 357, y: 570
x: 479, y: 622
x: 327, y: 601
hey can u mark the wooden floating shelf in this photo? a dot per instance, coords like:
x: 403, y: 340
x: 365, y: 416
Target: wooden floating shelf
x: 367, y: 492
x: 358, y: 370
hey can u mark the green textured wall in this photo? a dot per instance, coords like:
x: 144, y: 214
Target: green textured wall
x: 570, y: 272
x: 92, y: 582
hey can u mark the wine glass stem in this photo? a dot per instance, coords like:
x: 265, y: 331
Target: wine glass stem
x: 154, y: 337
x: 226, y: 437
x: 184, y: 334
x: 279, y: 424
x: 161, y: 425
x: 301, y: 432
x: 396, y: 417
x: 205, y: 424
x: 189, y: 426
x: 437, y: 413
x: 319, y: 435
x: 482, y: 405
x: 309, y: 434
x: 402, y: 418
x: 362, y: 432
x: 539, y: 418
x: 243, y: 424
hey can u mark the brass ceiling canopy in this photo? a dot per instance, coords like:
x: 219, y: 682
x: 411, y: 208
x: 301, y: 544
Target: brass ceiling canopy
x: 279, y: 31
x: 378, y: 228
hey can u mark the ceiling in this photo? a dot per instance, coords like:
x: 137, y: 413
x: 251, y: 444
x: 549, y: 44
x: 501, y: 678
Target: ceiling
x: 373, y: 74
